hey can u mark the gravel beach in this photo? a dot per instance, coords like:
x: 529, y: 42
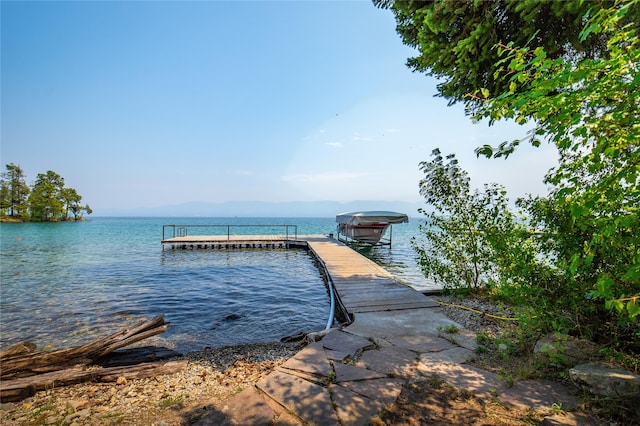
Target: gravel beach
x: 174, y: 399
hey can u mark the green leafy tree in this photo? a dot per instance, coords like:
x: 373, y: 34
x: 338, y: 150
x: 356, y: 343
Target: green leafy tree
x: 14, y: 191
x: 590, y: 110
x: 46, y: 201
x: 455, y: 39
x: 71, y: 200
x: 470, y: 237
x: 5, y: 198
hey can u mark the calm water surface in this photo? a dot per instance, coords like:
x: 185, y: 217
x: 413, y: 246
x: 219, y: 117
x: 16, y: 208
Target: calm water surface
x: 65, y: 284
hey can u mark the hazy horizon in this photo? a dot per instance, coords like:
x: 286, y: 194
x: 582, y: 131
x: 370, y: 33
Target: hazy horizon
x: 320, y: 209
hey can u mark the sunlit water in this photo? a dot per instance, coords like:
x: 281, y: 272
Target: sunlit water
x: 65, y: 284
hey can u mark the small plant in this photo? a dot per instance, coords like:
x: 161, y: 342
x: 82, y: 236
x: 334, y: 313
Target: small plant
x: 170, y: 401
x: 556, y: 408
x: 452, y: 329
x: 331, y: 377
x: 508, y: 378
x: 49, y: 406
x: 628, y: 361
x: 481, y: 349
x: 484, y: 339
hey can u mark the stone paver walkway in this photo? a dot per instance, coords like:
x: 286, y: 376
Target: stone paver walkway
x: 352, y: 374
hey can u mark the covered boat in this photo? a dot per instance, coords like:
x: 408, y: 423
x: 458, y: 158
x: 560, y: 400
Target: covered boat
x: 368, y: 226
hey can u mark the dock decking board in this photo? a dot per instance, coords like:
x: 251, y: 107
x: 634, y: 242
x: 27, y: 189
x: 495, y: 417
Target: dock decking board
x: 361, y: 284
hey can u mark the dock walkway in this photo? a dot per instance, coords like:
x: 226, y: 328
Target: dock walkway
x: 352, y: 373
x: 361, y: 284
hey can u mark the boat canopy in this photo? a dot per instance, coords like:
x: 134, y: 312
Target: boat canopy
x: 371, y: 217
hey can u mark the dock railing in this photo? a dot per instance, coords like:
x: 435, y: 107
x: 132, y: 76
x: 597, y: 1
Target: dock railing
x: 288, y: 232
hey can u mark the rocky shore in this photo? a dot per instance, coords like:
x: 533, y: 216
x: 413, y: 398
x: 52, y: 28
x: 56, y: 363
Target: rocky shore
x: 477, y: 315
x: 176, y: 399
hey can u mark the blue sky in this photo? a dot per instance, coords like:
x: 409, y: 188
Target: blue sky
x: 146, y: 104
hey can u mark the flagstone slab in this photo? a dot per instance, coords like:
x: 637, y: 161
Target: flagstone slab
x: 345, y: 342
x: 346, y: 373
x: 313, y: 378
x: 422, y: 343
x: 309, y: 401
x: 483, y: 384
x: 456, y: 355
x: 338, y: 356
x: 569, y: 419
x: 400, y: 323
x: 312, y: 360
x: 287, y: 419
x: 386, y: 390
x: 465, y: 338
x: 353, y: 409
x: 246, y: 408
x: 539, y: 395
x: 392, y: 361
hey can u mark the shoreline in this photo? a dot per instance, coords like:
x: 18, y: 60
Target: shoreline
x: 212, y: 375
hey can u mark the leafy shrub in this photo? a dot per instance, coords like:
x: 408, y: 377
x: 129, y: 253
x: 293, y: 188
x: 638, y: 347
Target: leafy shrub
x: 470, y: 238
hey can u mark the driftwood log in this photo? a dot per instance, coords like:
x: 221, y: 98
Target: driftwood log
x: 21, y: 348
x: 17, y: 389
x: 42, y: 362
x: 24, y: 371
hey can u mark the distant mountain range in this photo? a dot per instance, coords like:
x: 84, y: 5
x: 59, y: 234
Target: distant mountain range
x: 262, y: 209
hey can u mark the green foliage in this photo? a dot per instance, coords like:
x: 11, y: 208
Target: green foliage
x: 455, y: 39
x: 590, y: 109
x: 71, y: 200
x: 470, y: 238
x: 481, y: 349
x: 452, y: 329
x: 14, y: 192
x: 47, y: 201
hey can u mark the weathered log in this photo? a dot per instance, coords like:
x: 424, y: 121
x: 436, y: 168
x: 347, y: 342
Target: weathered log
x: 18, y: 349
x: 17, y: 389
x: 136, y: 356
x: 43, y: 362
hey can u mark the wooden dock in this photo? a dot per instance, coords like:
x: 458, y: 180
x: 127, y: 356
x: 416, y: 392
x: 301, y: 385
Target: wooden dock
x: 361, y: 285
x: 223, y: 242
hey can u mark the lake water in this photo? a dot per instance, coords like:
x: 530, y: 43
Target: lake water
x: 64, y: 284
